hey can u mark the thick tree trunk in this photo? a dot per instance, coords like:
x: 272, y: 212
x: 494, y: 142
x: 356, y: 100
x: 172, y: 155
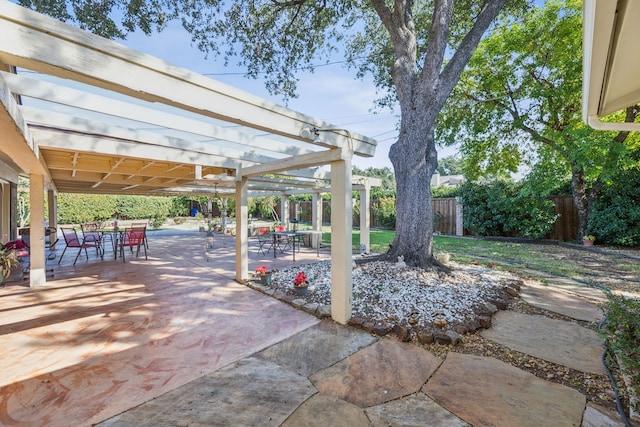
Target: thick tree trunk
x: 581, y: 199
x: 414, y: 160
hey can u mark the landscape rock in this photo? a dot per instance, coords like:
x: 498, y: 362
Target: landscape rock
x: 402, y: 332
x: 425, y: 337
x: 381, y: 329
x: 485, y: 321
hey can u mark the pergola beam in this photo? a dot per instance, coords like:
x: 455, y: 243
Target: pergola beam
x: 44, y: 44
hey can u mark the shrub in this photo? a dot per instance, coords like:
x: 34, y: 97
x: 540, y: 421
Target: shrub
x: 79, y: 208
x: 622, y: 329
x: 503, y: 208
x: 615, y: 217
x: 385, y: 211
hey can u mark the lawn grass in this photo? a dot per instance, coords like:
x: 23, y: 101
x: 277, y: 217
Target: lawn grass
x: 506, y: 255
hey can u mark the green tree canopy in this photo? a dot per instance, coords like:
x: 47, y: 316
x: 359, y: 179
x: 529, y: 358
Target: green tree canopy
x: 520, y: 101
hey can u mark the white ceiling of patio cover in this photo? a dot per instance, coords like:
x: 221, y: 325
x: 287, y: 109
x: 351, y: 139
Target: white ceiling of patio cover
x: 611, y: 57
x: 107, y: 119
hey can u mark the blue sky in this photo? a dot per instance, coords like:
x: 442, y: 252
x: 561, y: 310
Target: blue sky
x: 331, y: 93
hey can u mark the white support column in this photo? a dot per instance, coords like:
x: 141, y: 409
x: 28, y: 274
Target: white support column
x: 316, y: 219
x: 5, y: 211
x: 52, y: 202
x: 341, y: 253
x: 242, y: 239
x: 459, y: 217
x: 365, y: 220
x: 38, y: 270
x: 284, y: 210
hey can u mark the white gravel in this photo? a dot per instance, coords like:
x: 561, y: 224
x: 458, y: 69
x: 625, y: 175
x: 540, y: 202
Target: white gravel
x: 391, y: 291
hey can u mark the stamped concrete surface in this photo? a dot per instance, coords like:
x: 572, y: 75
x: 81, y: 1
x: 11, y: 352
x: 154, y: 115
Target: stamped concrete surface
x: 379, y: 373
x: 557, y: 341
x: 417, y: 410
x: 487, y: 392
x: 567, y: 304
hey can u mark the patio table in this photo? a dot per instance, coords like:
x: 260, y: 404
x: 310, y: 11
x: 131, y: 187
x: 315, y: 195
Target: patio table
x: 293, y: 235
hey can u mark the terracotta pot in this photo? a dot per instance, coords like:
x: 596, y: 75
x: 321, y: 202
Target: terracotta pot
x: 587, y: 242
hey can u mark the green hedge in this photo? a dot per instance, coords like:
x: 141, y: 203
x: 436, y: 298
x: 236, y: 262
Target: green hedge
x: 80, y: 208
x: 502, y: 208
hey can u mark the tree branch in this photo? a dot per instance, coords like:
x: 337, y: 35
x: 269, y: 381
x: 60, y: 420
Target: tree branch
x: 436, y: 43
x: 451, y: 73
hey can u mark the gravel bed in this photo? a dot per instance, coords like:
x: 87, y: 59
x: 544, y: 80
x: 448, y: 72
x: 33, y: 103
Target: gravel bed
x: 385, y: 291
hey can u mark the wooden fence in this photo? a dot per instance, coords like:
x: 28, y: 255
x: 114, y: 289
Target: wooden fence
x: 444, y: 211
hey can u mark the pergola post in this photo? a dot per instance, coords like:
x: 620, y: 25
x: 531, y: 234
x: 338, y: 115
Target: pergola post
x: 242, y: 237
x: 365, y: 218
x: 316, y: 219
x: 37, y: 271
x: 52, y: 202
x: 284, y: 210
x: 341, y: 253
x: 5, y: 211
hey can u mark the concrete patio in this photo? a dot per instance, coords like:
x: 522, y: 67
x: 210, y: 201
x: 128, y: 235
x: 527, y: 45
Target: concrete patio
x: 105, y: 336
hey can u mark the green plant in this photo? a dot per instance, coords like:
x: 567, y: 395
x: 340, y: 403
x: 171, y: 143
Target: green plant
x: 616, y: 214
x: 589, y: 237
x: 502, y: 208
x: 622, y: 330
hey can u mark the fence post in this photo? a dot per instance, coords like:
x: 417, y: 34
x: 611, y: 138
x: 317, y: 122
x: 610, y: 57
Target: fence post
x: 459, y: 217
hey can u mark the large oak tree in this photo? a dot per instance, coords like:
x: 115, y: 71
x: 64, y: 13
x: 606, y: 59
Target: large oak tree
x: 416, y: 49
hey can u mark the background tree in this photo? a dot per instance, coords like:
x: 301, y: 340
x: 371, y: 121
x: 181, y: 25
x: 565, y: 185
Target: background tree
x: 388, y: 188
x: 416, y: 49
x: 522, y: 93
x: 451, y: 165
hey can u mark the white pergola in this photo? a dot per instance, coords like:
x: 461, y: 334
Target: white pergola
x: 83, y: 114
x: 611, y: 63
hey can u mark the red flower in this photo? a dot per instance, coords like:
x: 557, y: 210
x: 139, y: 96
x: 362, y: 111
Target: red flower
x: 262, y: 269
x: 300, y: 280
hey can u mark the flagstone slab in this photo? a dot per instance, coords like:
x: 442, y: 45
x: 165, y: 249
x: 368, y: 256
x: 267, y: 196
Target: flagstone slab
x: 563, y: 303
x: 597, y: 416
x: 487, y: 392
x: 317, y: 347
x: 417, y: 410
x: 379, y: 373
x: 573, y: 287
x: 250, y: 392
x: 327, y: 411
x: 553, y: 340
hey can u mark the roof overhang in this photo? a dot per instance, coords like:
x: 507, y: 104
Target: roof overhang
x: 611, y: 64
x: 94, y: 116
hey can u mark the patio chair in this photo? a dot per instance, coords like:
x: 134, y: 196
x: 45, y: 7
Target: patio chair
x: 265, y: 240
x: 73, y: 241
x: 282, y: 242
x: 133, y: 237
x: 142, y: 224
x: 90, y: 233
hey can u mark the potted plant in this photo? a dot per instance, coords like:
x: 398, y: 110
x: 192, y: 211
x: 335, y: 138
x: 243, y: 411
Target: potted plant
x: 300, y: 284
x: 588, y: 240
x: 8, y: 261
x: 265, y: 274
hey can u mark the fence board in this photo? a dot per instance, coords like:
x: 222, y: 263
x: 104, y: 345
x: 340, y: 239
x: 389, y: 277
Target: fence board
x: 565, y: 228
